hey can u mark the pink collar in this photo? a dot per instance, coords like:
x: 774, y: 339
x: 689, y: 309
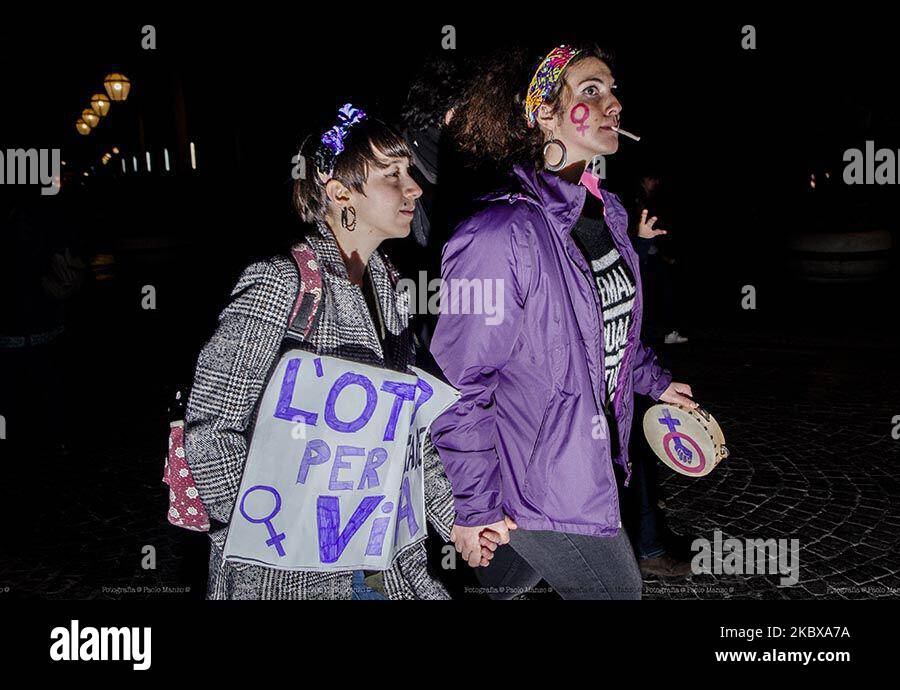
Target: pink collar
x: 592, y: 182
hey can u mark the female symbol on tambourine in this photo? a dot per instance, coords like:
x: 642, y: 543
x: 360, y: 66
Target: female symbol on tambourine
x: 688, y: 441
x: 683, y: 456
x: 274, y: 539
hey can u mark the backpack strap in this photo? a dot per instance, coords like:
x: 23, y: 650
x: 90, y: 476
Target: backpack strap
x: 304, y: 316
x: 309, y: 294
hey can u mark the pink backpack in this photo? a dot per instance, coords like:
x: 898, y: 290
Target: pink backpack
x: 185, y: 508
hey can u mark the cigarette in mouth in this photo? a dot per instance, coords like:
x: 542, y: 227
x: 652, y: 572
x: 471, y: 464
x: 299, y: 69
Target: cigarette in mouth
x: 626, y: 133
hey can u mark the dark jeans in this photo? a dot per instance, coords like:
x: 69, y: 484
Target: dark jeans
x: 640, y: 508
x: 575, y: 565
x: 362, y: 591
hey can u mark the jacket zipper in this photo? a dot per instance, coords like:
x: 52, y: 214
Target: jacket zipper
x: 601, y: 363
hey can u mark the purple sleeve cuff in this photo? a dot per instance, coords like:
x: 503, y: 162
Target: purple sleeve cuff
x: 660, y: 385
x: 478, y: 519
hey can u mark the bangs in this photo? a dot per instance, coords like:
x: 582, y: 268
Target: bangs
x: 361, y: 145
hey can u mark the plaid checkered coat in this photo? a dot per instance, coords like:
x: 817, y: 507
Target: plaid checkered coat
x: 232, y: 371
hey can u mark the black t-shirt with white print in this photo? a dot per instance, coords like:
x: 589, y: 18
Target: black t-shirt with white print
x: 616, y: 284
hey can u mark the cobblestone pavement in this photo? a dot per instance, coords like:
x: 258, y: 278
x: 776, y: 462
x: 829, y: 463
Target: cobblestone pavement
x: 812, y: 459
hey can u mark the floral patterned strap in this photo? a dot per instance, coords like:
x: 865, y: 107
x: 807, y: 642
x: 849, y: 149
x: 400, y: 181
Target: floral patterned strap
x: 185, y: 507
x: 310, y: 293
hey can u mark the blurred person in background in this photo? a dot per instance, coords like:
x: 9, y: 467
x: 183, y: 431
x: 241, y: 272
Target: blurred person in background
x: 40, y: 274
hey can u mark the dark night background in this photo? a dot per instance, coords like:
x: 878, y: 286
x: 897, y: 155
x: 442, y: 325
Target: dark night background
x: 736, y: 134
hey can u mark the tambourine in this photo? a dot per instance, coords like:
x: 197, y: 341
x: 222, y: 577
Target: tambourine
x: 688, y: 441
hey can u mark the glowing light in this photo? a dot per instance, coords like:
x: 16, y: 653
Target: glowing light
x: 90, y: 117
x: 117, y: 86
x: 193, y: 157
x: 147, y: 155
x: 166, y: 157
x: 100, y: 104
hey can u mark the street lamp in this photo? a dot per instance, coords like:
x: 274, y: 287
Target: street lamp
x: 117, y: 86
x: 82, y: 127
x: 90, y: 117
x: 100, y: 104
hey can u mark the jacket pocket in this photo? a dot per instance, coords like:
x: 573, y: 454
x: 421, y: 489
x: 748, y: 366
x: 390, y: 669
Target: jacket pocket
x: 562, y: 367
x: 542, y: 431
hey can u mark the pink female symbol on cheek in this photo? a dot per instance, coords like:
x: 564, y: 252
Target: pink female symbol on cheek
x: 584, y: 112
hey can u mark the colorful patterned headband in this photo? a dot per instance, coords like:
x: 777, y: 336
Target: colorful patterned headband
x: 545, y: 78
x: 333, y: 140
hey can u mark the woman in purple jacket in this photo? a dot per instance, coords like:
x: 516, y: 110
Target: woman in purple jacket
x: 547, y: 379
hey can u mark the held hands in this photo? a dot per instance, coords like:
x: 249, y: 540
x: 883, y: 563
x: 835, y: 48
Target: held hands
x: 646, y: 229
x: 477, y: 544
x: 679, y: 394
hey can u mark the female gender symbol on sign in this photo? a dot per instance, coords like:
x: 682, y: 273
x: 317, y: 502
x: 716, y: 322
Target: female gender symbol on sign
x: 585, y: 114
x: 274, y: 539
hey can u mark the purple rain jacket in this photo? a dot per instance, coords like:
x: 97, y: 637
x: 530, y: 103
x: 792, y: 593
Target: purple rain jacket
x: 527, y: 436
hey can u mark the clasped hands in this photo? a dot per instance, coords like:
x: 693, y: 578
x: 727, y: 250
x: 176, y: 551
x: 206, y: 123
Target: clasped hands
x: 477, y: 544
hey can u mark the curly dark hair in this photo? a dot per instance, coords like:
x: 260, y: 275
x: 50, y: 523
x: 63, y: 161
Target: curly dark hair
x: 490, y: 122
x: 435, y: 89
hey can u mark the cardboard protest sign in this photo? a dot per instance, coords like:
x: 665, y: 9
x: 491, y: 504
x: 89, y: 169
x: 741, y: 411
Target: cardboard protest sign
x: 333, y: 479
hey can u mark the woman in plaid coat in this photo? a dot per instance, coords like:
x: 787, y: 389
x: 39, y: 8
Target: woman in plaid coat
x: 359, y: 194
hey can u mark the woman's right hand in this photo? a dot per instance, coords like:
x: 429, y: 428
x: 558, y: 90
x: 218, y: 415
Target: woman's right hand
x: 646, y: 229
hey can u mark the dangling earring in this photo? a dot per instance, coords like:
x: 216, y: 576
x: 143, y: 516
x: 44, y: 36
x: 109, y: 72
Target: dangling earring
x: 348, y: 224
x: 563, y: 157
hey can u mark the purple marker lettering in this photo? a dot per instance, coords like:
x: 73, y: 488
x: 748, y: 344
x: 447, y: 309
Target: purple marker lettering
x: 369, y: 479
x: 317, y: 452
x: 427, y: 392
x: 405, y: 510
x: 283, y: 409
x: 404, y: 392
x: 328, y: 517
x: 376, y: 536
x: 345, y: 380
x: 339, y: 464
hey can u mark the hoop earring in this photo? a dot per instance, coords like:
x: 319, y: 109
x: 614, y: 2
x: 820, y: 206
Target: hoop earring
x: 348, y: 224
x: 562, y: 160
